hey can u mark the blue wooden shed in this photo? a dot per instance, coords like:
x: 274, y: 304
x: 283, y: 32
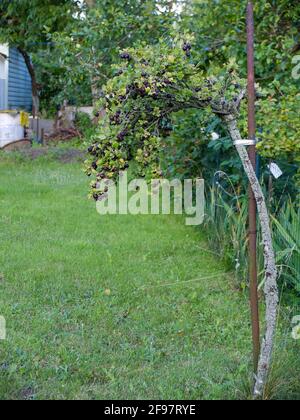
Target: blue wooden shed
x: 15, y: 81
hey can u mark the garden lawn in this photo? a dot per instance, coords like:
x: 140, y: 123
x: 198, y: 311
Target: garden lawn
x: 111, y: 307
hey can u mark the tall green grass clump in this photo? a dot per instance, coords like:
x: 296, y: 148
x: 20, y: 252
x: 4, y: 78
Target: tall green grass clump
x: 227, y: 225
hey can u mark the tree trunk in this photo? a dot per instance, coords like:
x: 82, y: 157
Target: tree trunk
x: 34, y: 84
x: 271, y: 289
x: 96, y: 91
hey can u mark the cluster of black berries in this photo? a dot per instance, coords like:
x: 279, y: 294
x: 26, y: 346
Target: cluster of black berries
x: 135, y: 91
x: 92, y: 150
x: 146, y: 83
x: 125, y: 56
x: 187, y: 49
x: 122, y: 98
x: 94, y: 165
x: 156, y: 94
x: 167, y: 82
x: 116, y: 118
x: 107, y: 171
x: 121, y: 136
x: 141, y: 91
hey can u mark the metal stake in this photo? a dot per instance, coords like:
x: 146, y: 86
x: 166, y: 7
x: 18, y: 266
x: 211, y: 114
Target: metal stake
x: 252, y: 201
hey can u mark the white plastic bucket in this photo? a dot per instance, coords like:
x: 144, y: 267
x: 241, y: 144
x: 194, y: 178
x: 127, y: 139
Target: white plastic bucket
x: 11, y: 129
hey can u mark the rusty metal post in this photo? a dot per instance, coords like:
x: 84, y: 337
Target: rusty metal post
x: 252, y: 202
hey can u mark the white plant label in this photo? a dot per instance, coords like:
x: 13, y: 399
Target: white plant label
x: 275, y: 170
x: 215, y: 136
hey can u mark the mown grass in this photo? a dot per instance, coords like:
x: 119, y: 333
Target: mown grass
x: 115, y: 307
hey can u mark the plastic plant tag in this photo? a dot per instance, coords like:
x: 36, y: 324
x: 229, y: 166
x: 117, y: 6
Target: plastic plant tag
x: 275, y: 170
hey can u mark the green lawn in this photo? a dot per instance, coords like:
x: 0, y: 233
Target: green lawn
x: 114, y: 307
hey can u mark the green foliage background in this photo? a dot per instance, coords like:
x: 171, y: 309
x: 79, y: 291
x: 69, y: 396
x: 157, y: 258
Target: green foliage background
x: 220, y: 34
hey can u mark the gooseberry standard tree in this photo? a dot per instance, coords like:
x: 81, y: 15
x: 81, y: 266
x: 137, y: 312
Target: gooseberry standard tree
x: 153, y: 83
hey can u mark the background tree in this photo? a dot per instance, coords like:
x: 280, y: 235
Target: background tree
x: 220, y: 33
x: 26, y: 25
x: 89, y: 46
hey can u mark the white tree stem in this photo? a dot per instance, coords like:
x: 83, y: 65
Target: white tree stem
x: 271, y: 288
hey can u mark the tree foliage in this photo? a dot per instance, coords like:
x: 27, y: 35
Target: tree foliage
x: 154, y: 83
x: 26, y: 25
x: 220, y: 33
x: 91, y: 44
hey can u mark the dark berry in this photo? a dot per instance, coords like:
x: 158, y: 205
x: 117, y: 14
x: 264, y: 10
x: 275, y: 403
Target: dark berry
x: 142, y: 91
x: 92, y: 151
x: 121, y: 136
x: 95, y: 197
x: 155, y: 95
x: 187, y: 47
x: 125, y: 56
x: 94, y: 165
